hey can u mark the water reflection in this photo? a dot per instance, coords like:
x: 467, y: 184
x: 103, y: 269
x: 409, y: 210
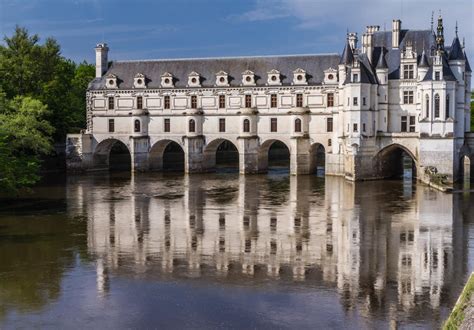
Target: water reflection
x: 391, y: 250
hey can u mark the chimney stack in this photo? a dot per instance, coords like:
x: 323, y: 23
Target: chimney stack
x: 352, y: 37
x: 396, y: 27
x: 101, y: 59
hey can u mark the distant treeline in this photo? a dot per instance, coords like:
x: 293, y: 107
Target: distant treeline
x: 42, y: 98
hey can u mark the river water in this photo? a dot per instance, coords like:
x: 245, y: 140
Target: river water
x: 222, y: 250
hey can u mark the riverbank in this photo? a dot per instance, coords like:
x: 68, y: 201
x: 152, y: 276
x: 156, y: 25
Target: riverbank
x: 462, y: 316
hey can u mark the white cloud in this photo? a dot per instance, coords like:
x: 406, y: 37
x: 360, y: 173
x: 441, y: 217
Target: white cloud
x: 333, y: 17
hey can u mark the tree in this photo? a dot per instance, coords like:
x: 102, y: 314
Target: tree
x: 25, y: 135
x: 39, y: 71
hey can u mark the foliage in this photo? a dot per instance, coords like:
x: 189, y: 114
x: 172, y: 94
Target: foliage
x: 457, y: 315
x: 40, y: 71
x: 25, y: 134
x: 39, y: 90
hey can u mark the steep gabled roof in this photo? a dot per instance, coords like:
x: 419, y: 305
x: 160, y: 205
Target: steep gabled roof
x: 423, y: 60
x: 448, y: 75
x: 468, y: 67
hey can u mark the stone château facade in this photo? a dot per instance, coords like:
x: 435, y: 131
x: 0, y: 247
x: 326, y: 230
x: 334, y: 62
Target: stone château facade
x: 401, y: 91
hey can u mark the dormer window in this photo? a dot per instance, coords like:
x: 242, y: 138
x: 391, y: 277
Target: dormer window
x: 248, y: 78
x: 194, y: 79
x: 355, y: 78
x: 111, y: 81
x: 299, y: 77
x: 139, y: 81
x: 167, y: 80
x: 274, y: 77
x: 222, y: 78
x: 330, y: 76
x: 437, y: 75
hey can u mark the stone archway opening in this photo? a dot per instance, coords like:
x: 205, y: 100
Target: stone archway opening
x: 317, y: 159
x: 396, y: 162
x: 112, y: 155
x: 166, y: 156
x: 221, y: 155
x: 274, y: 157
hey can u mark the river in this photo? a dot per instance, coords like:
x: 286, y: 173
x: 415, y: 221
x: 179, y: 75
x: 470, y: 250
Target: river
x: 227, y: 251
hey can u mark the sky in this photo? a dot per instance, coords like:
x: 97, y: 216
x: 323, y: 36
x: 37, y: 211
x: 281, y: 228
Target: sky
x: 152, y: 29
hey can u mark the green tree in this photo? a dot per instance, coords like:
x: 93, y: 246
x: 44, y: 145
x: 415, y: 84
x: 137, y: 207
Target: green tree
x: 25, y: 135
x: 39, y: 71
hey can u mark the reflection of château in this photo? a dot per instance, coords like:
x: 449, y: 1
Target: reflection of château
x: 255, y: 227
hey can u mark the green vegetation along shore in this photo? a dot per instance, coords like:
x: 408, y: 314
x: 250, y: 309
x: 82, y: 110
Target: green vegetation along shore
x: 463, y: 312
x: 42, y: 98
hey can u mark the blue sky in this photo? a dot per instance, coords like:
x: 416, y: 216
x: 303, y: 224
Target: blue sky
x: 144, y: 29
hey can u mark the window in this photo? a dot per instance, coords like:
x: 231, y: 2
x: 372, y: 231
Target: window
x: 273, y: 101
x: 412, y: 123
x: 408, y: 72
x: 194, y: 102
x: 355, y: 129
x: 246, y: 125
x: 273, y: 124
x: 407, y: 97
x: 355, y: 77
x: 427, y: 105
x: 167, y: 125
x: 329, y: 142
x: 363, y: 127
x: 437, y: 75
x: 221, y: 101
x: 167, y: 102
x: 192, y: 126
x: 355, y: 101
x: 221, y: 124
x: 299, y: 100
x: 139, y: 102
x: 447, y: 106
x: 364, y: 101
x: 297, y: 125
x: 329, y: 124
x: 136, y: 126
x: 404, y: 124
x: 248, y: 101
x: 111, y: 102
x: 436, y: 106
x: 111, y: 125
x: 330, y: 99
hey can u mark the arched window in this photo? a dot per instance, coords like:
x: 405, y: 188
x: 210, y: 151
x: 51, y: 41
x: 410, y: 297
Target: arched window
x: 447, y: 106
x: 297, y: 125
x: 436, y: 106
x: 427, y: 106
x: 192, y: 125
x: 137, y: 126
x: 246, y: 125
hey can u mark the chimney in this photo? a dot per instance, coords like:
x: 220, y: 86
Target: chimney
x: 352, y: 37
x: 396, y: 26
x: 101, y: 59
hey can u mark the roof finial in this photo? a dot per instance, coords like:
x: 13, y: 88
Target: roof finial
x: 456, y: 29
x: 432, y: 19
x: 463, y: 43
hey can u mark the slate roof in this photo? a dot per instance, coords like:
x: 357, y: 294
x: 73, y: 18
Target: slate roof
x: 420, y: 39
x: 468, y: 67
x: 347, y: 55
x: 382, y: 63
x: 456, y: 52
x: 314, y: 65
x: 447, y: 73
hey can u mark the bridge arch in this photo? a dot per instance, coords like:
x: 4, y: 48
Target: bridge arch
x: 273, y: 153
x: 317, y: 161
x: 112, y: 154
x: 466, y: 165
x: 396, y: 161
x: 222, y: 153
x: 166, y: 155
